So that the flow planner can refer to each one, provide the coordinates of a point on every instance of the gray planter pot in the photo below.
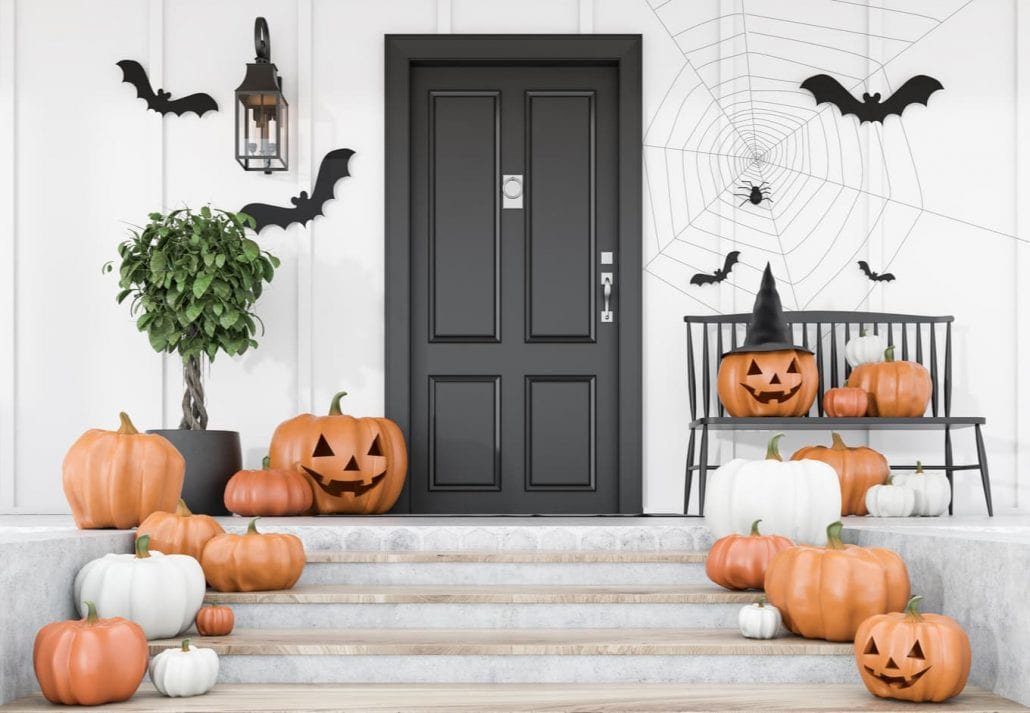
(212, 457)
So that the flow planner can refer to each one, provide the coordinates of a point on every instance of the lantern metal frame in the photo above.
(262, 112)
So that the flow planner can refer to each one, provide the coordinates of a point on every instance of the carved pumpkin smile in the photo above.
(897, 681)
(768, 397)
(336, 488)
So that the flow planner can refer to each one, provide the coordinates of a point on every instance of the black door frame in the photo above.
(622, 51)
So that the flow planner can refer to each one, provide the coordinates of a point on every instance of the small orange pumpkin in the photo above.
(775, 383)
(268, 492)
(858, 468)
(91, 661)
(253, 562)
(845, 402)
(355, 465)
(913, 656)
(215, 621)
(895, 388)
(740, 561)
(179, 533)
(118, 478)
(826, 593)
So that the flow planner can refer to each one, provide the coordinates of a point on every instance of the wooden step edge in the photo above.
(489, 594)
(505, 642)
(507, 556)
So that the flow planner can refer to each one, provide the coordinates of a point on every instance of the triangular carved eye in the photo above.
(916, 652)
(870, 648)
(753, 370)
(793, 368)
(322, 448)
(376, 449)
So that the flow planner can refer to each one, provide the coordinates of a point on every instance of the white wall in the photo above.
(87, 160)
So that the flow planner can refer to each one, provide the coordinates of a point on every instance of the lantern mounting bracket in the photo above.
(262, 41)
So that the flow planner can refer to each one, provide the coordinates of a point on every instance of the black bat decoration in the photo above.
(161, 101)
(702, 278)
(334, 166)
(874, 276)
(916, 90)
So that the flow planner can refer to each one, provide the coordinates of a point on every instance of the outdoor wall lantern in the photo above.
(262, 114)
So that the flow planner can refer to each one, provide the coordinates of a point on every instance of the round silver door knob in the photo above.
(512, 187)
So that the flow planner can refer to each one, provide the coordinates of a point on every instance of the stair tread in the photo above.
(506, 642)
(506, 556)
(489, 594)
(514, 698)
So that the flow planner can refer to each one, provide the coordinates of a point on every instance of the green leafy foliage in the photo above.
(193, 279)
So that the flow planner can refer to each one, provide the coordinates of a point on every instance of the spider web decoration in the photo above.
(735, 117)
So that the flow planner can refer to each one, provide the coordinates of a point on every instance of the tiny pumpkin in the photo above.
(269, 492)
(215, 621)
(912, 656)
(853, 583)
(253, 562)
(858, 469)
(184, 671)
(739, 561)
(895, 388)
(845, 402)
(118, 478)
(890, 500)
(91, 661)
(760, 620)
(932, 491)
(864, 349)
(179, 533)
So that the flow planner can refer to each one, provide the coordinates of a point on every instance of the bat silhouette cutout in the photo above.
(874, 276)
(916, 90)
(334, 166)
(161, 101)
(702, 278)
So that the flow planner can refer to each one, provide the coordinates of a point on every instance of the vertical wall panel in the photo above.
(8, 275)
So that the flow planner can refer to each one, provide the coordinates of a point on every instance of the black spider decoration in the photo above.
(755, 194)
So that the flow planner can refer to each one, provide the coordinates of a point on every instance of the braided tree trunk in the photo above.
(194, 413)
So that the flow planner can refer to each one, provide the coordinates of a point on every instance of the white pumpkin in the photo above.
(890, 500)
(932, 491)
(162, 593)
(759, 621)
(865, 349)
(796, 499)
(185, 671)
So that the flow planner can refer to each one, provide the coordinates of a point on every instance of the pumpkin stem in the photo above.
(91, 613)
(754, 528)
(864, 332)
(334, 405)
(919, 467)
(888, 353)
(266, 463)
(126, 429)
(912, 610)
(182, 510)
(142, 546)
(186, 645)
(833, 536)
(838, 442)
(762, 601)
(772, 451)
(252, 527)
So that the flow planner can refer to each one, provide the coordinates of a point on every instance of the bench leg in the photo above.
(949, 461)
(702, 471)
(689, 475)
(985, 477)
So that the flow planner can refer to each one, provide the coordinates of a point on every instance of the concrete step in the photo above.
(522, 656)
(486, 606)
(558, 567)
(518, 698)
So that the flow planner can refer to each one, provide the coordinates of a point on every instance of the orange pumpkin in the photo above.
(91, 661)
(857, 468)
(269, 492)
(355, 465)
(826, 593)
(215, 621)
(895, 388)
(118, 478)
(913, 656)
(774, 383)
(740, 561)
(845, 402)
(179, 533)
(253, 562)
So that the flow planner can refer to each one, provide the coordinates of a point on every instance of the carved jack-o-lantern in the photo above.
(772, 383)
(356, 465)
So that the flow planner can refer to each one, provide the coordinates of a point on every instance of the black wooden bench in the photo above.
(926, 340)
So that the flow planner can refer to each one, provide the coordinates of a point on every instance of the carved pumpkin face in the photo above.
(360, 466)
(891, 666)
(775, 383)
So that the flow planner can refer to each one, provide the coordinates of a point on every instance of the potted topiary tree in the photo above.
(193, 279)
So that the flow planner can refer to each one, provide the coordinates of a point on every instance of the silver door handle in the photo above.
(607, 280)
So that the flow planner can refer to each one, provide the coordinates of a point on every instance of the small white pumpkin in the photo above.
(890, 500)
(185, 671)
(865, 349)
(162, 593)
(796, 499)
(760, 620)
(932, 491)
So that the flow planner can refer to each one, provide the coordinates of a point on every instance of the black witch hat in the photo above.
(768, 331)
